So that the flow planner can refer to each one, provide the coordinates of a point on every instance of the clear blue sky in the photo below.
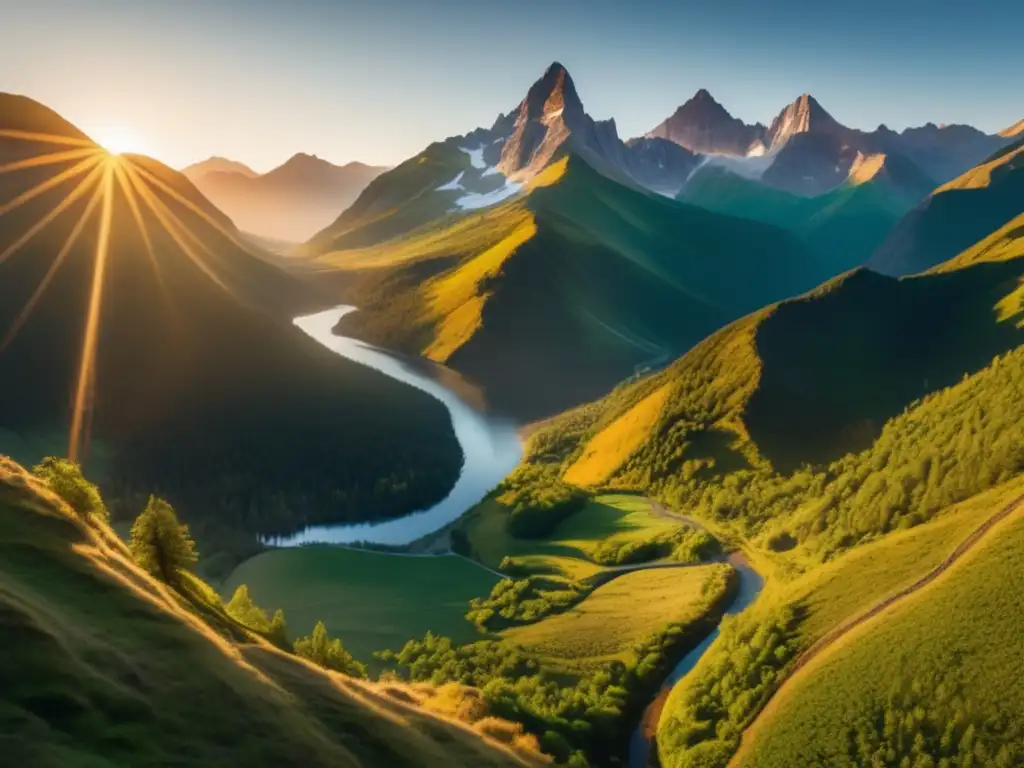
(378, 80)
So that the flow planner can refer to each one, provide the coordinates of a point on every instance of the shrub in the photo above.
(64, 477)
(328, 653)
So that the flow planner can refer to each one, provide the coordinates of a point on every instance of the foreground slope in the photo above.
(102, 665)
(550, 298)
(956, 215)
(170, 357)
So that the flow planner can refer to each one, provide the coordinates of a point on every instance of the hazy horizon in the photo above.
(377, 82)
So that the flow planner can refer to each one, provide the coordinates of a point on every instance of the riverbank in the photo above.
(491, 447)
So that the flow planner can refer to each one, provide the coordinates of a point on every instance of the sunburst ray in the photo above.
(82, 408)
(47, 138)
(76, 231)
(171, 224)
(133, 205)
(168, 189)
(50, 158)
(53, 213)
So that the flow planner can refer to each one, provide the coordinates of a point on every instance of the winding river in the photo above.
(491, 447)
(643, 737)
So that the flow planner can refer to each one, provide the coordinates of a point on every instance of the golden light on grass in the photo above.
(102, 173)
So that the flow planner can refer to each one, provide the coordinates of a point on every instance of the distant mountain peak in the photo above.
(701, 124)
(218, 164)
(554, 91)
(804, 115)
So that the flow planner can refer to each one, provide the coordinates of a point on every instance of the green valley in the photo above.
(700, 448)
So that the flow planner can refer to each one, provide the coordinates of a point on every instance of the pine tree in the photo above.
(64, 477)
(160, 544)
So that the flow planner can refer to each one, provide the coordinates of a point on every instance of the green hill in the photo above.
(845, 225)
(138, 328)
(811, 381)
(551, 297)
(933, 679)
(956, 215)
(104, 666)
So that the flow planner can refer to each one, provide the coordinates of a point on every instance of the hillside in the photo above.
(931, 677)
(291, 202)
(575, 281)
(1014, 130)
(844, 225)
(170, 358)
(105, 666)
(956, 215)
(805, 382)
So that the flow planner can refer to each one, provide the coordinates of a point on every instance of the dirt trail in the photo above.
(826, 641)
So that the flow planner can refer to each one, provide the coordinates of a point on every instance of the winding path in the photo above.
(826, 641)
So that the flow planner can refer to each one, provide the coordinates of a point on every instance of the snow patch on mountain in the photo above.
(475, 200)
(454, 184)
(476, 157)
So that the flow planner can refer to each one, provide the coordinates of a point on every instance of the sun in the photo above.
(121, 140)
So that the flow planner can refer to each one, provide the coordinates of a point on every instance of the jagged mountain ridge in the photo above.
(810, 152)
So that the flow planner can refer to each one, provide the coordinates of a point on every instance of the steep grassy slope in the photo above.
(104, 666)
(572, 284)
(937, 676)
(195, 382)
(751, 663)
(845, 225)
(956, 215)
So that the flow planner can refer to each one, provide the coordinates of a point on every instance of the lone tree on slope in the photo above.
(160, 544)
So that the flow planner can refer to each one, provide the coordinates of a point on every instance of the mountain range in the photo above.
(531, 250)
(549, 208)
(806, 151)
(289, 203)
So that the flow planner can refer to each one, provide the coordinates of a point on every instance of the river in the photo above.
(490, 446)
(750, 587)
(492, 449)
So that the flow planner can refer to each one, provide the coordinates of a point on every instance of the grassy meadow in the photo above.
(371, 600)
(569, 550)
(616, 616)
